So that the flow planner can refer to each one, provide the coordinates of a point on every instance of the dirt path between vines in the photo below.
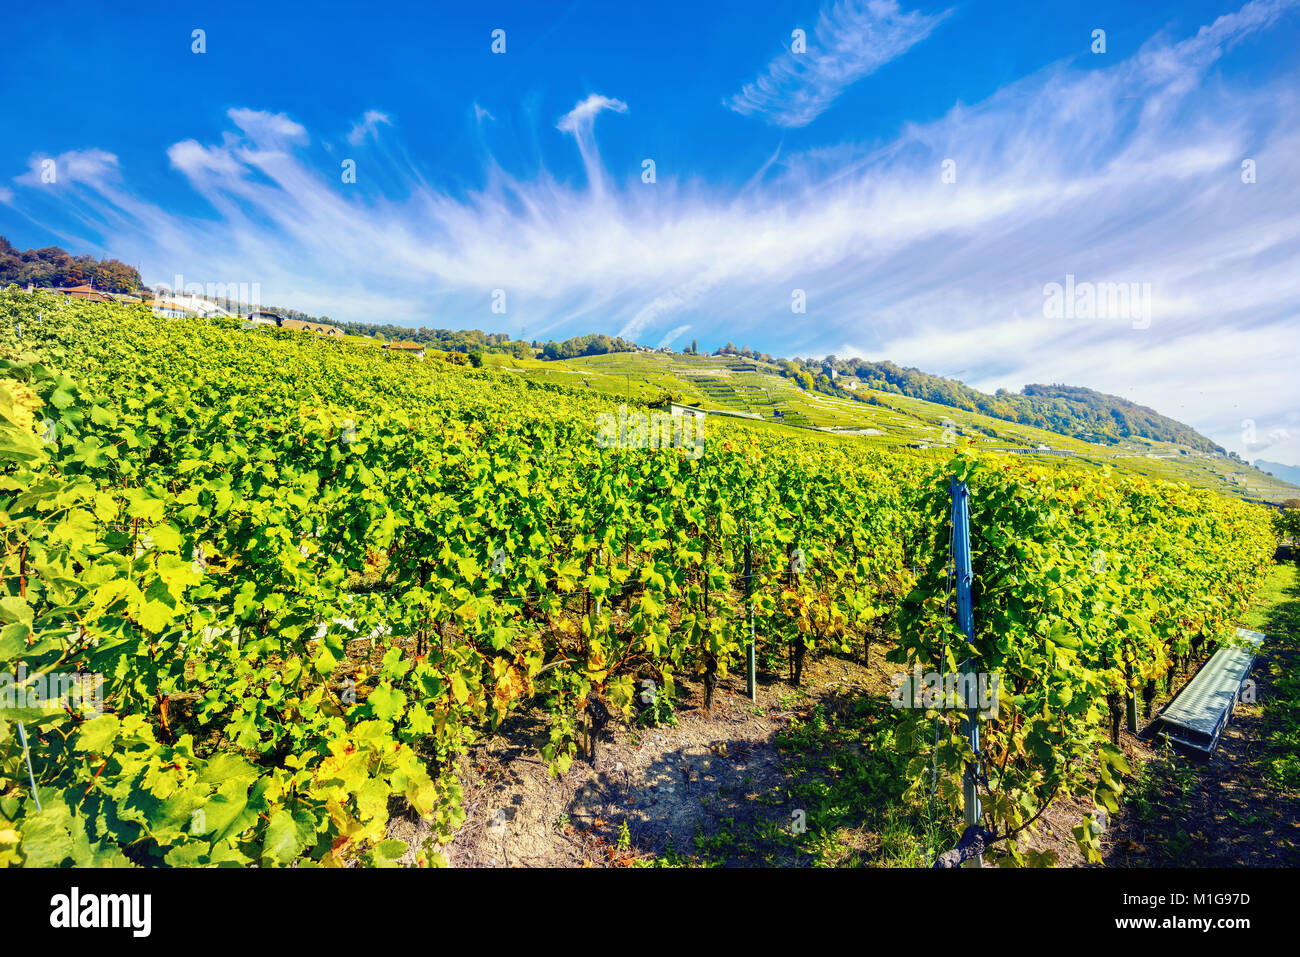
(651, 792)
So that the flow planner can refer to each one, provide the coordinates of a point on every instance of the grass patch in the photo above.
(1277, 615)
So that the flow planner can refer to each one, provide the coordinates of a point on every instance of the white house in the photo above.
(184, 304)
(171, 310)
(676, 408)
(415, 349)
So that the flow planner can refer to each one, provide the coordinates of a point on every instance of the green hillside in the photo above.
(886, 418)
(1068, 410)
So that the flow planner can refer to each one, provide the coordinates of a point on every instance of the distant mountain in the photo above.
(1287, 473)
(1070, 410)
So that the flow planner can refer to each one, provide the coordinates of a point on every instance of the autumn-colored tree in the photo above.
(54, 267)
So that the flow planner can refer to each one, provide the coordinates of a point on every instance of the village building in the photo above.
(87, 292)
(180, 305)
(409, 348)
(320, 328)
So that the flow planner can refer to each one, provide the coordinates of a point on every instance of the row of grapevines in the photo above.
(300, 498)
(1087, 587)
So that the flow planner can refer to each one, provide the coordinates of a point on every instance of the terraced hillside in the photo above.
(738, 384)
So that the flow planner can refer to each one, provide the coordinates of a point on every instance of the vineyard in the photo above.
(307, 575)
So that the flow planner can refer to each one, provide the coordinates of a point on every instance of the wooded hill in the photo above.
(54, 267)
(1071, 410)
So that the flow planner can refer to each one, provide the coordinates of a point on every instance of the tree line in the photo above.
(54, 267)
(472, 341)
(1068, 410)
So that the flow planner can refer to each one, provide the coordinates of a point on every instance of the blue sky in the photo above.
(820, 170)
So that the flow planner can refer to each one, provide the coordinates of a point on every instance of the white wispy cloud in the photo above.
(581, 116)
(268, 129)
(1128, 171)
(851, 41)
(368, 125)
(673, 335)
(91, 167)
(580, 122)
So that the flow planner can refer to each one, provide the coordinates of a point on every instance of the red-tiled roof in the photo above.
(86, 291)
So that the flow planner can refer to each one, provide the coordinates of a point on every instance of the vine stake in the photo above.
(22, 733)
(966, 622)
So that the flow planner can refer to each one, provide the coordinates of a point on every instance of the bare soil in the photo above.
(665, 785)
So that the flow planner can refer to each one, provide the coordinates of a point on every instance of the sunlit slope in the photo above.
(737, 384)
